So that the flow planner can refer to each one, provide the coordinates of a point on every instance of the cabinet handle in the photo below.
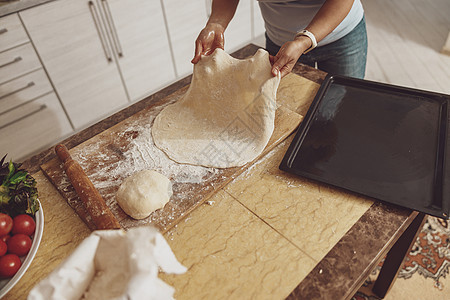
(30, 84)
(112, 27)
(15, 60)
(3, 30)
(100, 31)
(41, 108)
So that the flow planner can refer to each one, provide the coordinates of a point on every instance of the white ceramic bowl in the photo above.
(7, 284)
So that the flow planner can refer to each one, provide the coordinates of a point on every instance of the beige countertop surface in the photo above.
(265, 235)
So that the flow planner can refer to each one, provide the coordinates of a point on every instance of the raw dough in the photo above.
(226, 117)
(144, 192)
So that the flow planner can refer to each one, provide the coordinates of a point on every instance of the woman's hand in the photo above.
(210, 38)
(288, 55)
(329, 16)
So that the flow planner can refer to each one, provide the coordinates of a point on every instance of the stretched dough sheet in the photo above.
(226, 117)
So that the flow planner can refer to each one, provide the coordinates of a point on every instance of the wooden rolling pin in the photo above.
(95, 205)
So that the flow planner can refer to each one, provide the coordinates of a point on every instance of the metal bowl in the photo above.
(7, 284)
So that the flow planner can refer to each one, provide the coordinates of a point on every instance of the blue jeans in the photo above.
(346, 56)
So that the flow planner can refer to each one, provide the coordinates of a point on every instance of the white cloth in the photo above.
(114, 265)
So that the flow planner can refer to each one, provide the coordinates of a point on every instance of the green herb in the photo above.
(18, 192)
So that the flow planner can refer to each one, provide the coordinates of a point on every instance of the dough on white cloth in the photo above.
(226, 117)
(143, 192)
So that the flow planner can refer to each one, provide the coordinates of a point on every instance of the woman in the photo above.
(328, 34)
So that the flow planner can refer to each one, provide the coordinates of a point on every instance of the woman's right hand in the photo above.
(210, 38)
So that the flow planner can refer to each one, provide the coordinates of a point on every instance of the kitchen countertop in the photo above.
(9, 7)
(266, 234)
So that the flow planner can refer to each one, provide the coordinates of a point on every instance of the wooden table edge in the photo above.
(347, 265)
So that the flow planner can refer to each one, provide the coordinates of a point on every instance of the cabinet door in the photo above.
(71, 41)
(139, 37)
(184, 23)
(239, 31)
(258, 21)
(33, 126)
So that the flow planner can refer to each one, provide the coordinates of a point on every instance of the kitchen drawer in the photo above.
(18, 61)
(32, 127)
(12, 32)
(16, 92)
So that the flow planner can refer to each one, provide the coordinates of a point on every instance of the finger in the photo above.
(220, 40)
(278, 65)
(286, 69)
(198, 52)
(208, 49)
(272, 59)
(279, 60)
(208, 42)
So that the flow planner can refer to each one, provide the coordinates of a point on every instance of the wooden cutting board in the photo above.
(116, 153)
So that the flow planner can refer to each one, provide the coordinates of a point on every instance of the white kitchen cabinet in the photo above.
(12, 33)
(23, 89)
(184, 24)
(239, 31)
(74, 49)
(32, 126)
(146, 63)
(101, 54)
(31, 116)
(18, 61)
(258, 21)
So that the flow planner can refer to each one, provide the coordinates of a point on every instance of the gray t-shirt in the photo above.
(283, 19)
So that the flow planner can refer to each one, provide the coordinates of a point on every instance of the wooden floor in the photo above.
(405, 40)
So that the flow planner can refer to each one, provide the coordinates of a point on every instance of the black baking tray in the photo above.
(387, 142)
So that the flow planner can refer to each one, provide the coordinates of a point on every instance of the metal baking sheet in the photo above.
(387, 142)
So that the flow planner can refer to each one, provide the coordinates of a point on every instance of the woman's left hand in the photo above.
(288, 55)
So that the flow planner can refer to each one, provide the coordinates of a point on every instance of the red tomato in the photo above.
(23, 224)
(6, 224)
(5, 237)
(19, 244)
(3, 248)
(9, 265)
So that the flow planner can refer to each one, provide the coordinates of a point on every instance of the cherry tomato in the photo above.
(3, 248)
(5, 237)
(6, 224)
(23, 224)
(9, 265)
(19, 244)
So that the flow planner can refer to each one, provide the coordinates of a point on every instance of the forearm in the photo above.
(222, 11)
(329, 16)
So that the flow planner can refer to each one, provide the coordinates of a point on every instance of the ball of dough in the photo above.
(144, 192)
